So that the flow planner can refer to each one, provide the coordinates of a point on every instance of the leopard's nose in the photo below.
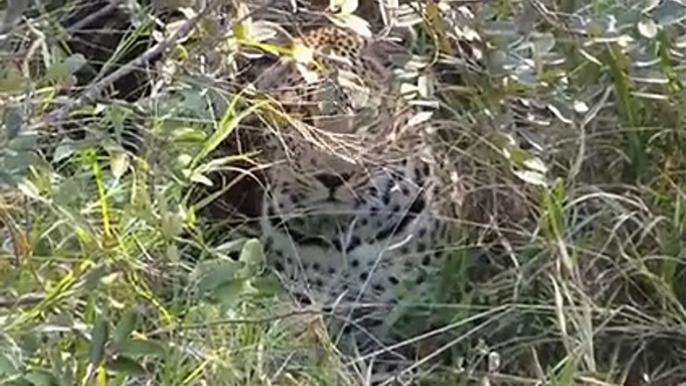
(330, 181)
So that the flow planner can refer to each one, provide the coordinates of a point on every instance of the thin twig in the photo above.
(95, 90)
(24, 300)
(86, 21)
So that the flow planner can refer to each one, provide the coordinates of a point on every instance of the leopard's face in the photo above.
(359, 233)
(349, 176)
(320, 195)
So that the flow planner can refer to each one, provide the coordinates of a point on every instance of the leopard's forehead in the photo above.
(328, 66)
(342, 42)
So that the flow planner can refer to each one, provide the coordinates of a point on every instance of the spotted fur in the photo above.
(353, 213)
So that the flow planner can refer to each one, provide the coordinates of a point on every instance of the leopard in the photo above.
(358, 200)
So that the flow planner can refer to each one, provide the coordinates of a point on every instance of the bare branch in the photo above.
(86, 21)
(94, 91)
(24, 300)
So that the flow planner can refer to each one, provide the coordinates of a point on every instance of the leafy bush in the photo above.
(126, 142)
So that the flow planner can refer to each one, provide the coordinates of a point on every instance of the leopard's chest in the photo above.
(355, 264)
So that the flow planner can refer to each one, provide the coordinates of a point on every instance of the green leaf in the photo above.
(119, 162)
(231, 246)
(14, 121)
(201, 179)
(188, 134)
(126, 325)
(268, 285)
(29, 189)
(553, 208)
(179, 52)
(117, 116)
(252, 253)
(125, 365)
(9, 365)
(11, 80)
(531, 177)
(110, 279)
(136, 347)
(41, 378)
(173, 253)
(566, 375)
(183, 160)
(17, 164)
(230, 293)
(215, 273)
(172, 223)
(98, 340)
(74, 63)
(11, 357)
(25, 140)
(64, 150)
